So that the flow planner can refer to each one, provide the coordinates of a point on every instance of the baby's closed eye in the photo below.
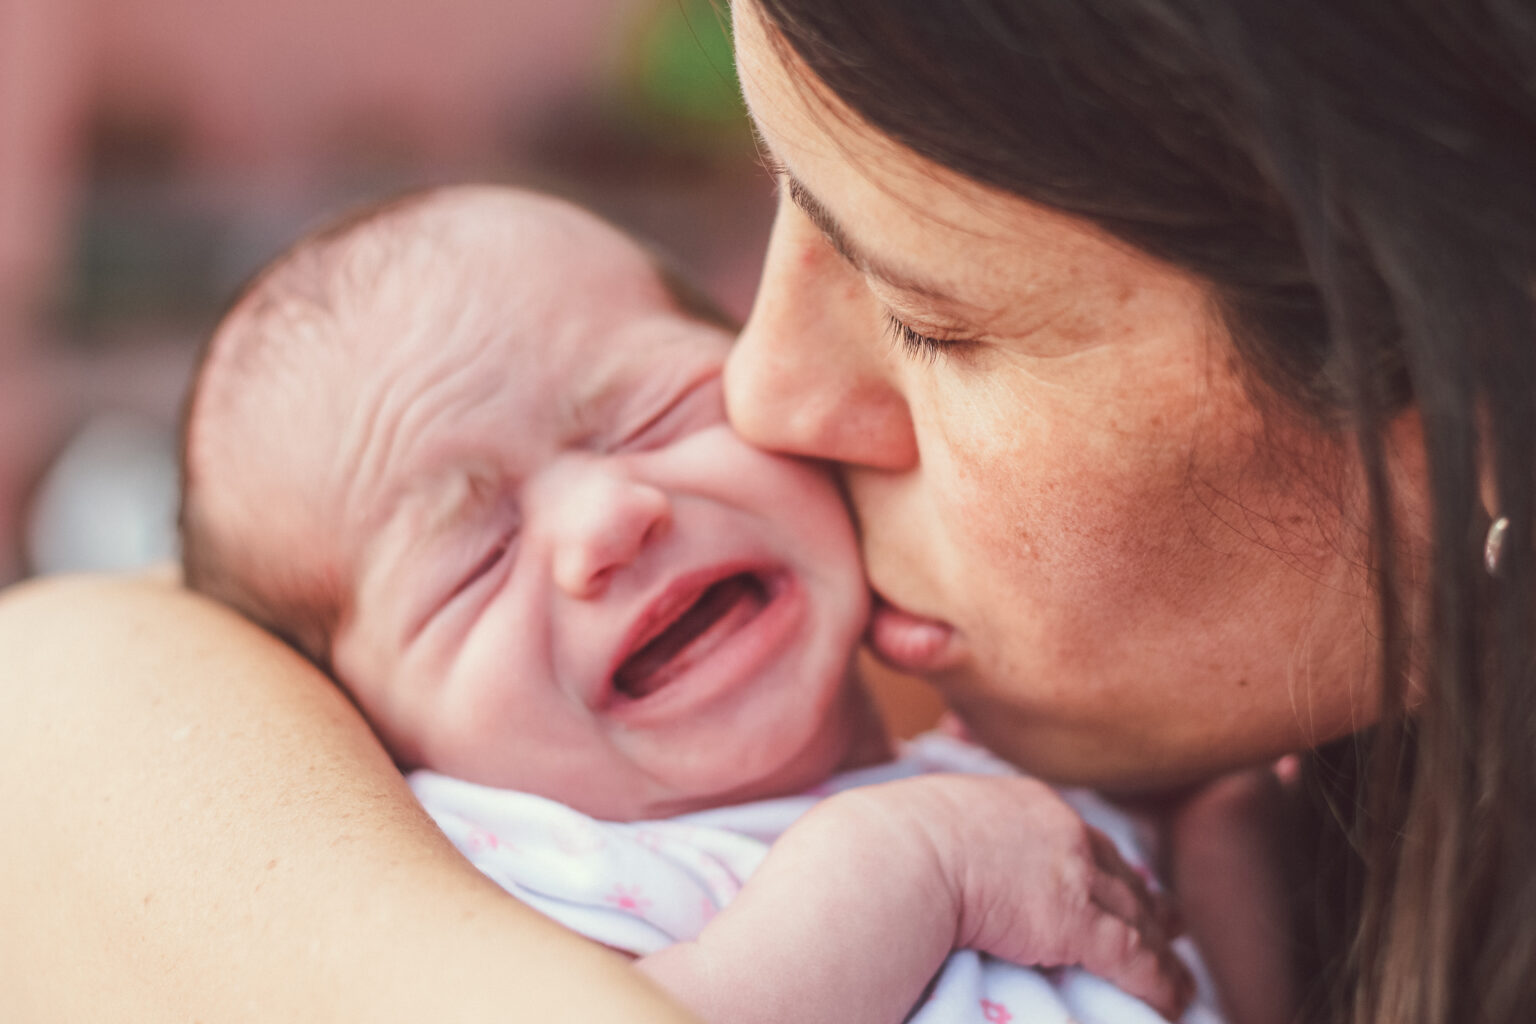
(697, 406)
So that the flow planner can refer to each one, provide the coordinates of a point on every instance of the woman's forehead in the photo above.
(974, 251)
(790, 107)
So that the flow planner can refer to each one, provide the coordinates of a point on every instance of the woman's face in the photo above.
(1082, 528)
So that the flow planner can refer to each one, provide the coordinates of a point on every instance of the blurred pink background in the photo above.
(155, 152)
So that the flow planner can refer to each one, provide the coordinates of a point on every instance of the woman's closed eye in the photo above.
(919, 345)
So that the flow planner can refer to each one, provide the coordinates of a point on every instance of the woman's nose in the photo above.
(601, 524)
(811, 373)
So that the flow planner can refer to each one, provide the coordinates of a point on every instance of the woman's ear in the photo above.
(1488, 494)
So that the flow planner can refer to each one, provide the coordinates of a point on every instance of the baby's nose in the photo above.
(604, 524)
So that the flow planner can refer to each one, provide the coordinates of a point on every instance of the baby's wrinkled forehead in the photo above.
(416, 283)
(478, 266)
(431, 281)
(469, 306)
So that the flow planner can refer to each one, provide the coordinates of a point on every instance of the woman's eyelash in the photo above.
(915, 343)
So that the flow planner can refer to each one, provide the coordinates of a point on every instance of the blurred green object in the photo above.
(681, 78)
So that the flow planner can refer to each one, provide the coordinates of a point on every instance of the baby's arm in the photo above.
(857, 906)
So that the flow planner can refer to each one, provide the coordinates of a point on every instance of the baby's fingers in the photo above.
(1141, 964)
(1122, 891)
(1132, 932)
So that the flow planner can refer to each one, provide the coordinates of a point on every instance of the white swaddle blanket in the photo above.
(640, 886)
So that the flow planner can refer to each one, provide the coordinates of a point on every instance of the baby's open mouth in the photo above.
(692, 635)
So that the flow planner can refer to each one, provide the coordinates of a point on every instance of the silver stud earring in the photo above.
(1493, 547)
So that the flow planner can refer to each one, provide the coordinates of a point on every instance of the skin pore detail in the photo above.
(1083, 527)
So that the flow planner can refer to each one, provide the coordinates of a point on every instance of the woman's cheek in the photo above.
(1056, 488)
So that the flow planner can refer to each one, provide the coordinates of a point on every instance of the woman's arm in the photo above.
(200, 827)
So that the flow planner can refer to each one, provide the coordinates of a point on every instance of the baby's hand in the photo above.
(1028, 880)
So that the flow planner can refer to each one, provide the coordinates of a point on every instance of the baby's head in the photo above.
(470, 453)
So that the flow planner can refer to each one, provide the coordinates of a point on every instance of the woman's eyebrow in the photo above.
(817, 213)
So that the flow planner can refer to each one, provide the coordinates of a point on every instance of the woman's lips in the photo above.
(907, 642)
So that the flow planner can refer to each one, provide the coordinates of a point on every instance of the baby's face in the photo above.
(567, 573)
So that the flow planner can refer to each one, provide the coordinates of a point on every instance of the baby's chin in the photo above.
(853, 736)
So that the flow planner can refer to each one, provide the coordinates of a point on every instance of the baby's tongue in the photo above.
(718, 613)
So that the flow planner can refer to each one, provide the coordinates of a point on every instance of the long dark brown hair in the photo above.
(1356, 181)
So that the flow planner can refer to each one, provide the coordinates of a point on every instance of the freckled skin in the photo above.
(1144, 588)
